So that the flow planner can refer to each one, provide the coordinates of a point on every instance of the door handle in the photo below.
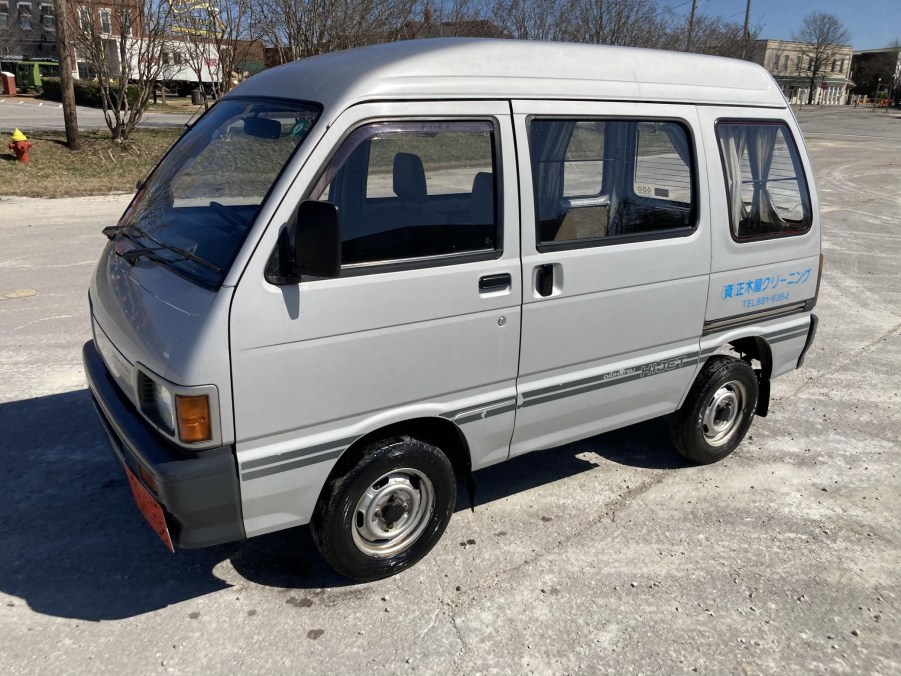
(544, 280)
(495, 282)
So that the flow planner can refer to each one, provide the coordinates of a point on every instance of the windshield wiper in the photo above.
(133, 254)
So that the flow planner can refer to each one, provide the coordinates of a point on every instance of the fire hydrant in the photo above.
(20, 146)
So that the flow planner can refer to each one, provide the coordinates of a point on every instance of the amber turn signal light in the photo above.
(193, 414)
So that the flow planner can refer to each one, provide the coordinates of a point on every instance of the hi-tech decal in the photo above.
(545, 394)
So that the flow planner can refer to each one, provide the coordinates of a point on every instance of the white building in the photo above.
(792, 63)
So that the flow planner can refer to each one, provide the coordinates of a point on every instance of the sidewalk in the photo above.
(29, 100)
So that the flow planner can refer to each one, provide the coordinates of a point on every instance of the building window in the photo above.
(600, 182)
(84, 20)
(4, 15)
(25, 17)
(775, 62)
(834, 63)
(809, 65)
(798, 63)
(48, 21)
(765, 181)
(785, 62)
(106, 26)
(841, 66)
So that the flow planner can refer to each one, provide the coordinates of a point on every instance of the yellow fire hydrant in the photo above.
(20, 146)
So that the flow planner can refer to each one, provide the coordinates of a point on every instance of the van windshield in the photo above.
(194, 211)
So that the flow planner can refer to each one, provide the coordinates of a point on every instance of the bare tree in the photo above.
(122, 43)
(450, 18)
(720, 37)
(533, 19)
(218, 39)
(302, 28)
(633, 23)
(823, 36)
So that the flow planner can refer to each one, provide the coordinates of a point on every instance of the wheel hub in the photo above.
(393, 513)
(722, 415)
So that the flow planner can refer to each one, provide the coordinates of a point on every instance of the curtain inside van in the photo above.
(765, 179)
(732, 148)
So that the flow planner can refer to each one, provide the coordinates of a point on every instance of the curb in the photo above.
(49, 104)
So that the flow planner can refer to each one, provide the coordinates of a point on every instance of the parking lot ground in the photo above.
(611, 555)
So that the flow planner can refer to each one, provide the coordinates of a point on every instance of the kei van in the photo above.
(361, 277)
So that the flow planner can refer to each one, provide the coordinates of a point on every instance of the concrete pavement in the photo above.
(611, 555)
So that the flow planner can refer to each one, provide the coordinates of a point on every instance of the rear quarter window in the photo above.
(765, 183)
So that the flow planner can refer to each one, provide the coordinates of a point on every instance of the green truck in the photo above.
(29, 74)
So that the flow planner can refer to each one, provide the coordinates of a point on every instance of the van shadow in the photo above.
(645, 445)
(75, 545)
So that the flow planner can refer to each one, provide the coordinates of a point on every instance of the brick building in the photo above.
(27, 30)
(877, 73)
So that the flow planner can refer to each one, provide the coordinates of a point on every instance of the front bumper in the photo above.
(199, 493)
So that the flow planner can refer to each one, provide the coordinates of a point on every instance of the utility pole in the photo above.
(64, 47)
(746, 35)
(691, 24)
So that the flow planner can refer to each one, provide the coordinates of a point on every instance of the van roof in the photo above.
(515, 69)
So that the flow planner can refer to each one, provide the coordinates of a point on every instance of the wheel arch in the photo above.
(439, 432)
(749, 349)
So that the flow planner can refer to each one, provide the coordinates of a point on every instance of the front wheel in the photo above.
(717, 412)
(388, 511)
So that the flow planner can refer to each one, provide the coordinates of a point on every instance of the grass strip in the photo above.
(101, 167)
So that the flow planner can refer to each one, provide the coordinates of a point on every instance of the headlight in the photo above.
(156, 402)
(178, 411)
(162, 401)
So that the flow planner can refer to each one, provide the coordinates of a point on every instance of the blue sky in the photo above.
(871, 23)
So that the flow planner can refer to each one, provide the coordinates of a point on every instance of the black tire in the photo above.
(717, 412)
(401, 487)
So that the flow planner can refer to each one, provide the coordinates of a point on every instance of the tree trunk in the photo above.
(70, 115)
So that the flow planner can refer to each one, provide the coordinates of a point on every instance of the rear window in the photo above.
(765, 182)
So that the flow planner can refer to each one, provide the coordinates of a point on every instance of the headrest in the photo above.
(409, 178)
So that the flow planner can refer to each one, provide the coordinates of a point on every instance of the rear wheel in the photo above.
(386, 512)
(717, 412)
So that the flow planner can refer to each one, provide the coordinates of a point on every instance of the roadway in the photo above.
(33, 115)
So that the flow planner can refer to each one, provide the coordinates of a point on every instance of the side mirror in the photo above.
(317, 239)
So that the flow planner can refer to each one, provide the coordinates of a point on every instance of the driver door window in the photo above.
(414, 190)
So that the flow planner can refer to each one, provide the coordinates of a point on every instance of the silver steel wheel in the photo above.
(393, 512)
(723, 414)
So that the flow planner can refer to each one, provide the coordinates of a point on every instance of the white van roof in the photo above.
(516, 69)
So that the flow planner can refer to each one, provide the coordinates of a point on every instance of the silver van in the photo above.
(361, 277)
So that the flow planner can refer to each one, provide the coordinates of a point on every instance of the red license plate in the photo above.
(151, 509)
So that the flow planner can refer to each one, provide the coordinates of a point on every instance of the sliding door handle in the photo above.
(490, 283)
(544, 280)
